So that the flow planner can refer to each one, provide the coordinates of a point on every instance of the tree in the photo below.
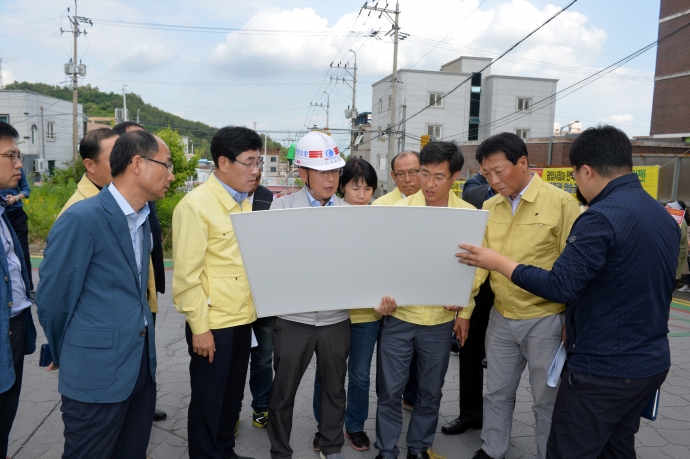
(183, 168)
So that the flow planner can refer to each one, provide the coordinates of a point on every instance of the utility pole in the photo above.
(404, 122)
(327, 109)
(2, 86)
(124, 102)
(138, 115)
(350, 113)
(71, 68)
(394, 31)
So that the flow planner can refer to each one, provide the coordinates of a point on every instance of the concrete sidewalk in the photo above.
(38, 428)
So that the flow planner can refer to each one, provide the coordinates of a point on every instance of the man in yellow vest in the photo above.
(210, 288)
(425, 330)
(405, 172)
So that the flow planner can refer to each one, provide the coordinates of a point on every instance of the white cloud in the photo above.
(142, 57)
(7, 77)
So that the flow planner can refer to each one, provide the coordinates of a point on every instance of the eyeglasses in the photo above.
(255, 164)
(14, 157)
(411, 173)
(437, 179)
(330, 173)
(168, 166)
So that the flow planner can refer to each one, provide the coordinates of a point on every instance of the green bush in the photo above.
(44, 205)
(164, 210)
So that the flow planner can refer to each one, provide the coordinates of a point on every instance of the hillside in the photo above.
(98, 103)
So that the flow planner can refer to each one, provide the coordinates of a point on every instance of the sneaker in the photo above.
(358, 440)
(315, 443)
(331, 456)
(260, 419)
(407, 406)
(684, 289)
(237, 428)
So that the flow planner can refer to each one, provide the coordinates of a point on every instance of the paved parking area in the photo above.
(37, 432)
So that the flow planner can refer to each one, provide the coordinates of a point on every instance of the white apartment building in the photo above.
(476, 110)
(45, 128)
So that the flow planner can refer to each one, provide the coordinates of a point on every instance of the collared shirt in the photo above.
(616, 274)
(19, 298)
(236, 195)
(315, 203)
(428, 314)
(389, 199)
(251, 198)
(135, 221)
(515, 202)
(536, 234)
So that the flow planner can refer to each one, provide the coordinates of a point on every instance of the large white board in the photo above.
(349, 257)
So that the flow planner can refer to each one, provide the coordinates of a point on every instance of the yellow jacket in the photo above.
(209, 282)
(388, 199)
(86, 189)
(536, 235)
(428, 315)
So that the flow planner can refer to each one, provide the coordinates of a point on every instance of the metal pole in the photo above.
(676, 179)
(43, 137)
(548, 158)
(391, 131)
(404, 122)
(138, 115)
(75, 33)
(328, 108)
(124, 103)
(354, 105)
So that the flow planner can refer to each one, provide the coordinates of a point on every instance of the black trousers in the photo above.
(217, 392)
(9, 400)
(112, 430)
(597, 417)
(294, 346)
(18, 219)
(471, 355)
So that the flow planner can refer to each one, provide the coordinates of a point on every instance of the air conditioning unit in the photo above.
(39, 165)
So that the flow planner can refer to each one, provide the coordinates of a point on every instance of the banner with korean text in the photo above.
(562, 178)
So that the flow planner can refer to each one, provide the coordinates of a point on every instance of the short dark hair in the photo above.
(121, 128)
(440, 151)
(129, 145)
(357, 169)
(401, 155)
(510, 144)
(90, 145)
(232, 141)
(7, 131)
(604, 148)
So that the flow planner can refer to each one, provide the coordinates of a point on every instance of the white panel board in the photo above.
(317, 259)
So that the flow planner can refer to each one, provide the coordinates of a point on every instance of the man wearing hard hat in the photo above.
(297, 336)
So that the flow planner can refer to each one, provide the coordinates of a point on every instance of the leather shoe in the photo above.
(159, 415)
(422, 455)
(460, 425)
(481, 454)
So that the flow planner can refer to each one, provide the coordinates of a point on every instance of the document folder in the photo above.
(652, 409)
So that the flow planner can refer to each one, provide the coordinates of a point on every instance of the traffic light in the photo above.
(424, 140)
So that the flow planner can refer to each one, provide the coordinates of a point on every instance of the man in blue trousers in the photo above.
(92, 305)
(17, 331)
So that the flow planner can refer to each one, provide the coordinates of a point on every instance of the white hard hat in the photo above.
(319, 152)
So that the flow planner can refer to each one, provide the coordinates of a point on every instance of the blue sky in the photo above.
(229, 78)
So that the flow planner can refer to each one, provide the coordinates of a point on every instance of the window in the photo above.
(522, 133)
(5, 118)
(51, 165)
(389, 102)
(33, 134)
(380, 105)
(435, 99)
(50, 131)
(273, 169)
(274, 159)
(473, 132)
(434, 131)
(524, 104)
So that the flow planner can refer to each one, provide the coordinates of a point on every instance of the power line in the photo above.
(491, 63)
(547, 101)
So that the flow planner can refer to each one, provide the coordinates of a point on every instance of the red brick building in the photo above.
(671, 107)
